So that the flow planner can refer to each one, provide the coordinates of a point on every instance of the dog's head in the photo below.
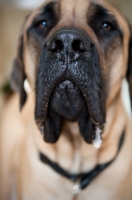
(74, 53)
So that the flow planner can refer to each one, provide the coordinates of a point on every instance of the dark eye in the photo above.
(107, 26)
(42, 24)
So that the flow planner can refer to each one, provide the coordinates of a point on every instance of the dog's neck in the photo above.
(74, 150)
(75, 155)
(83, 156)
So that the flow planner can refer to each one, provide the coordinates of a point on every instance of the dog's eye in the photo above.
(42, 24)
(107, 26)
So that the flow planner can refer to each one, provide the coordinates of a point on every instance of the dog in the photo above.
(72, 136)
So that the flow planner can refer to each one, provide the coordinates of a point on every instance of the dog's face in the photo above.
(74, 53)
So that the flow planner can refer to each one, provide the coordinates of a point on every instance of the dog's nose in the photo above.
(67, 42)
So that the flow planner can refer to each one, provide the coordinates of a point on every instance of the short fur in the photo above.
(75, 55)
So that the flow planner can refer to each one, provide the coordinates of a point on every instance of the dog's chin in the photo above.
(67, 100)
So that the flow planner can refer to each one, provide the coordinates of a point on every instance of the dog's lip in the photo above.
(39, 121)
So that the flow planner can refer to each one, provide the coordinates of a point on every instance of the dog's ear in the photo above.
(18, 75)
(129, 70)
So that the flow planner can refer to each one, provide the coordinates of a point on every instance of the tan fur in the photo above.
(22, 175)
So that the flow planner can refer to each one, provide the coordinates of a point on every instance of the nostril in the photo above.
(78, 46)
(56, 46)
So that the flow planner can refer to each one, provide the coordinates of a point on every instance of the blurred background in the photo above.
(12, 14)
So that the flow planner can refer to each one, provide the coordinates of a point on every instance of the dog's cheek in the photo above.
(32, 57)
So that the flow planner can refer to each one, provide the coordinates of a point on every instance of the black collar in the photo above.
(86, 177)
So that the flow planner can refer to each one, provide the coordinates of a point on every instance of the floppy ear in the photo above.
(18, 75)
(129, 70)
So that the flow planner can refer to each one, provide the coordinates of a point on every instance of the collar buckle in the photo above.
(76, 189)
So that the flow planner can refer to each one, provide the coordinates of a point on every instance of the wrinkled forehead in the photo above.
(74, 12)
